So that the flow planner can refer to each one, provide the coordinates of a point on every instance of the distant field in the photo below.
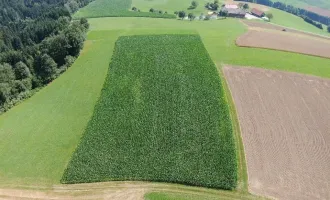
(161, 117)
(303, 3)
(171, 5)
(220, 43)
(115, 8)
(286, 19)
(285, 41)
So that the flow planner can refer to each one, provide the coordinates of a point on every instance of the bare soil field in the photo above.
(317, 10)
(284, 119)
(285, 42)
(262, 25)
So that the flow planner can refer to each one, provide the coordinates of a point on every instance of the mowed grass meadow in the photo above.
(39, 135)
(161, 116)
(115, 8)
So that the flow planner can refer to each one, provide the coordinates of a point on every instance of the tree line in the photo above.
(38, 42)
(305, 14)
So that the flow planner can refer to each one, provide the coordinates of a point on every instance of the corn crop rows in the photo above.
(161, 117)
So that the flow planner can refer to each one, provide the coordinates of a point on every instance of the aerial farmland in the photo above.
(163, 100)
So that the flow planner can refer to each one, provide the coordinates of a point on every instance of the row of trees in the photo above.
(157, 11)
(38, 41)
(293, 10)
(328, 29)
(308, 20)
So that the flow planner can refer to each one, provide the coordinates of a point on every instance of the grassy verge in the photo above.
(242, 167)
(115, 8)
(161, 117)
(39, 135)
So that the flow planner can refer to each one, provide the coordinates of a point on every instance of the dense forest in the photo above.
(305, 14)
(38, 42)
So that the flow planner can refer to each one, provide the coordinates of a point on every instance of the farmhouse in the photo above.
(257, 13)
(239, 13)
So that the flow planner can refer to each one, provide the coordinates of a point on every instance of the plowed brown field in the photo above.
(285, 41)
(262, 25)
(284, 119)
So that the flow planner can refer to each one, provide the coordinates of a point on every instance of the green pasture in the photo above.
(286, 19)
(171, 5)
(39, 135)
(115, 8)
(185, 194)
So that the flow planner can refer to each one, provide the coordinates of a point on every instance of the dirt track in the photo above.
(285, 41)
(284, 118)
(116, 191)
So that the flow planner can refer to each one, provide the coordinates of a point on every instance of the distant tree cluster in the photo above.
(328, 29)
(308, 20)
(135, 9)
(213, 6)
(74, 5)
(193, 5)
(157, 11)
(305, 14)
(38, 41)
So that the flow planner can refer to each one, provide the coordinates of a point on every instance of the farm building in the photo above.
(238, 13)
(257, 13)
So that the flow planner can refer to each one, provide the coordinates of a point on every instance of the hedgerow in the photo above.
(161, 116)
(115, 8)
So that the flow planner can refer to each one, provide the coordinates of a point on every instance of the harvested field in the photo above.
(255, 25)
(318, 10)
(285, 42)
(284, 118)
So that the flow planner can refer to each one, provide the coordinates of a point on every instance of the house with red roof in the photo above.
(257, 13)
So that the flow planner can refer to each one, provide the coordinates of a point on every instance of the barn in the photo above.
(238, 13)
(257, 13)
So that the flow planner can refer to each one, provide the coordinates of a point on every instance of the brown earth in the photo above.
(285, 41)
(120, 190)
(284, 119)
(262, 25)
(318, 10)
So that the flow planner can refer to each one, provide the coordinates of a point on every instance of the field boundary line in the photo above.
(286, 51)
(242, 168)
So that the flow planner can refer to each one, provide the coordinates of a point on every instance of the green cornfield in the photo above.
(161, 117)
